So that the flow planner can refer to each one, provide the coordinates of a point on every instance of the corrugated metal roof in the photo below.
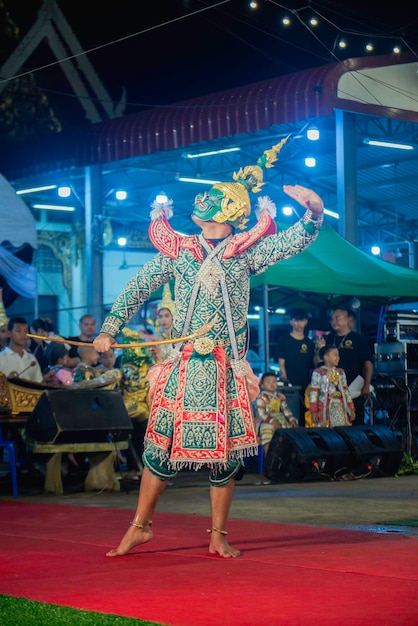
(241, 110)
(283, 100)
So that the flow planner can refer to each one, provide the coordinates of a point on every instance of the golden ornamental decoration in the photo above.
(334, 376)
(204, 345)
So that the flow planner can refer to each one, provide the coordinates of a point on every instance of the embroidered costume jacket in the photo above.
(201, 408)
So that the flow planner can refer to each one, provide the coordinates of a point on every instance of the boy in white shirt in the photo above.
(15, 360)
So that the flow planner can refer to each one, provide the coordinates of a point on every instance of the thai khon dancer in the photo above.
(201, 393)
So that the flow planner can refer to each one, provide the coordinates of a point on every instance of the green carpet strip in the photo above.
(21, 612)
(402, 522)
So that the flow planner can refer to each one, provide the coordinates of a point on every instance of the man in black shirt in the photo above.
(87, 325)
(356, 357)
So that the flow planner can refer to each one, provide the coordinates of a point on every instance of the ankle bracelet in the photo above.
(216, 530)
(148, 522)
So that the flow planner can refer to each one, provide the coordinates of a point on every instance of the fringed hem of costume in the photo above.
(159, 462)
(201, 411)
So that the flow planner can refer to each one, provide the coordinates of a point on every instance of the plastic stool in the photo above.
(12, 460)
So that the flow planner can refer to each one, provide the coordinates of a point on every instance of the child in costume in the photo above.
(272, 410)
(330, 401)
(202, 393)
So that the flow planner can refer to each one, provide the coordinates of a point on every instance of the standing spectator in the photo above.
(87, 325)
(296, 356)
(356, 357)
(272, 411)
(330, 402)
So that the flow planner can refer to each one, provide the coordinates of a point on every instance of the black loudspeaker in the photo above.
(305, 454)
(79, 416)
(372, 448)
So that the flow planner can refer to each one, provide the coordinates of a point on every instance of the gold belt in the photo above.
(205, 345)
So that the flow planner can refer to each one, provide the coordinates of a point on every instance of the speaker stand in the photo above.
(101, 474)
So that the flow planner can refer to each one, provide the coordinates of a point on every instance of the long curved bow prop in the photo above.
(143, 344)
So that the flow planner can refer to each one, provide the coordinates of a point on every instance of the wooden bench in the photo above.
(101, 475)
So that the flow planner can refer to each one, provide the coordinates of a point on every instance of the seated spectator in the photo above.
(272, 410)
(15, 360)
(107, 360)
(43, 328)
(87, 368)
(57, 356)
(330, 401)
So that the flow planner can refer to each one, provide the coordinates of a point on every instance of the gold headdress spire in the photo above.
(230, 202)
(4, 320)
(167, 301)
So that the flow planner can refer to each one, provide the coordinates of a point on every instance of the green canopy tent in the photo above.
(332, 269)
(327, 274)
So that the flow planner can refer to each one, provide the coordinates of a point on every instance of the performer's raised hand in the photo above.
(306, 197)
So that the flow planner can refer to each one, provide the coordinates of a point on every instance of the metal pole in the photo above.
(266, 327)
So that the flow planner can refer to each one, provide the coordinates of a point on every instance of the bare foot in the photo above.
(219, 545)
(133, 537)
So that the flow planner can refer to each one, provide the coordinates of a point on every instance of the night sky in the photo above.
(173, 50)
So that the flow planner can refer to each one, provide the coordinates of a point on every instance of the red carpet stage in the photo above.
(287, 576)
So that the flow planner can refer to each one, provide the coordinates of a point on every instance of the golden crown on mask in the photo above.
(236, 204)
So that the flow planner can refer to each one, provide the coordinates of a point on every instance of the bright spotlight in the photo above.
(310, 162)
(64, 191)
